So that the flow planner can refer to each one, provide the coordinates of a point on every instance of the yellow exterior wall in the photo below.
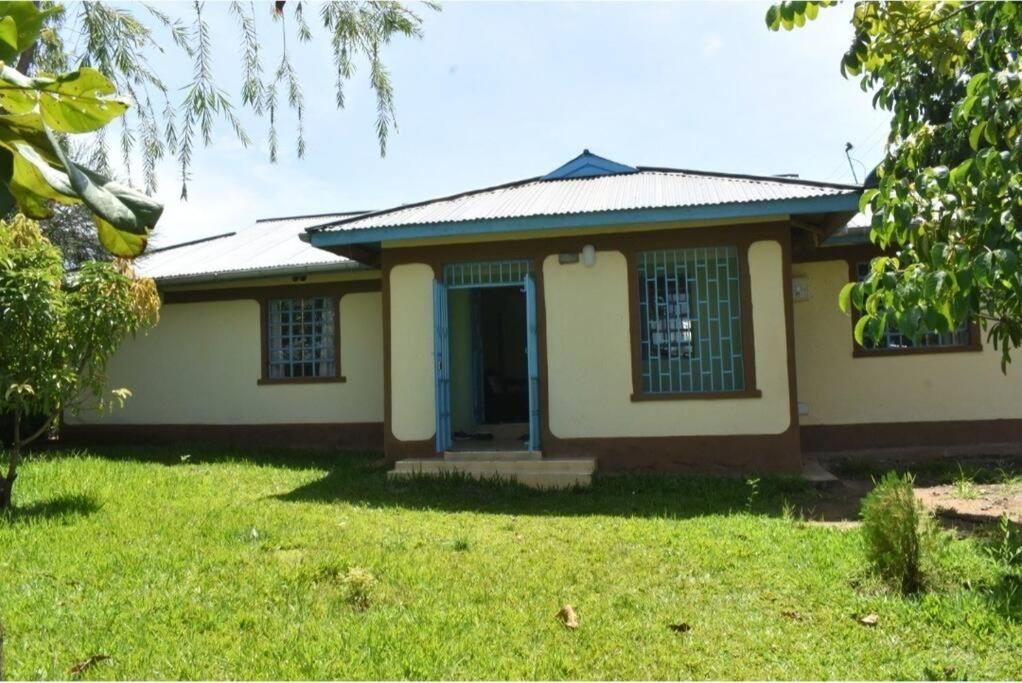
(200, 365)
(589, 357)
(412, 402)
(839, 389)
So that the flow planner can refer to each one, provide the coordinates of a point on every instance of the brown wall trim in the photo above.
(338, 288)
(342, 436)
(767, 452)
(745, 453)
(880, 435)
(263, 295)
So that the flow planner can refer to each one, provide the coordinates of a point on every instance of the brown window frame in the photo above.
(264, 340)
(859, 351)
(745, 302)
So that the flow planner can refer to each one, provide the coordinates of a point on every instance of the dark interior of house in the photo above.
(505, 367)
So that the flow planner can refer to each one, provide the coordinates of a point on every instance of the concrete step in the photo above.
(542, 473)
(466, 456)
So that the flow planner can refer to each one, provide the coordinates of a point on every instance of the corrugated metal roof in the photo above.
(268, 245)
(646, 188)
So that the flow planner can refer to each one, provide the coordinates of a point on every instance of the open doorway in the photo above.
(489, 368)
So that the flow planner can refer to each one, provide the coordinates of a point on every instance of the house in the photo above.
(649, 318)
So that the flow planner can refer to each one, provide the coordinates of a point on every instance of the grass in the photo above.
(298, 565)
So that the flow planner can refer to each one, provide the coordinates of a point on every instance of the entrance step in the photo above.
(537, 473)
(476, 455)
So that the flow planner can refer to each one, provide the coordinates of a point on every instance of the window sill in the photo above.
(300, 380)
(693, 396)
(859, 352)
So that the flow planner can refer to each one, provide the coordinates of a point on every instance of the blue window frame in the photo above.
(690, 321)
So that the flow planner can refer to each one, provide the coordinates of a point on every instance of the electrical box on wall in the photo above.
(800, 288)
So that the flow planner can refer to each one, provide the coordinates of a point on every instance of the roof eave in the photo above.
(257, 273)
(809, 205)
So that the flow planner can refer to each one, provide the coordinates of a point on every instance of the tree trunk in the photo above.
(7, 483)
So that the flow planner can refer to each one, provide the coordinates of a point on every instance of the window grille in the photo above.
(690, 321)
(302, 338)
(486, 273)
(895, 340)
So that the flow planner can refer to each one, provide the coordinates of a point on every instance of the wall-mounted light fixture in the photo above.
(588, 256)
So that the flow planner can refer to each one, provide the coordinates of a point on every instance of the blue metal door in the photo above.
(442, 367)
(532, 351)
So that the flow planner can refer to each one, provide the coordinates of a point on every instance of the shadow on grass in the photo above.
(61, 507)
(360, 479)
(362, 482)
(205, 453)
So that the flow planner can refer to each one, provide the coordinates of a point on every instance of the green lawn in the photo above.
(227, 566)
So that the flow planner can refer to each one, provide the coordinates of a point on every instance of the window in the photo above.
(895, 341)
(302, 338)
(690, 321)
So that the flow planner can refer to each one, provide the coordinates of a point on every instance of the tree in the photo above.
(58, 331)
(70, 71)
(947, 198)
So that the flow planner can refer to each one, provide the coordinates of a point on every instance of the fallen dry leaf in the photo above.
(85, 664)
(870, 619)
(680, 628)
(568, 616)
(792, 614)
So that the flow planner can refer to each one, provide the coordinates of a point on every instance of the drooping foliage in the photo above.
(946, 200)
(37, 111)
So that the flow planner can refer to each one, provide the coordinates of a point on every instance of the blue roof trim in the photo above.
(830, 204)
(586, 165)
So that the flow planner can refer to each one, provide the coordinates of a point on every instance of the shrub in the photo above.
(896, 527)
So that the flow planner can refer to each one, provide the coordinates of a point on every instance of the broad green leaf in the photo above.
(120, 242)
(80, 102)
(975, 82)
(975, 134)
(8, 35)
(844, 299)
(961, 172)
(866, 198)
(125, 209)
(812, 10)
(860, 328)
(773, 18)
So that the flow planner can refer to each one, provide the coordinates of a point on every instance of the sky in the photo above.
(497, 91)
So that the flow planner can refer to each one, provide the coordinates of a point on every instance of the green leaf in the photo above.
(80, 102)
(975, 82)
(975, 134)
(860, 328)
(960, 173)
(8, 34)
(125, 209)
(120, 242)
(812, 10)
(866, 198)
(773, 18)
(844, 299)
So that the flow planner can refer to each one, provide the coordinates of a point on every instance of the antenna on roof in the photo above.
(848, 153)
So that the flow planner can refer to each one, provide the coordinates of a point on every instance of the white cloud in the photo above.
(712, 44)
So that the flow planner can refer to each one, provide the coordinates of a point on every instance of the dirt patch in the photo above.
(974, 502)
